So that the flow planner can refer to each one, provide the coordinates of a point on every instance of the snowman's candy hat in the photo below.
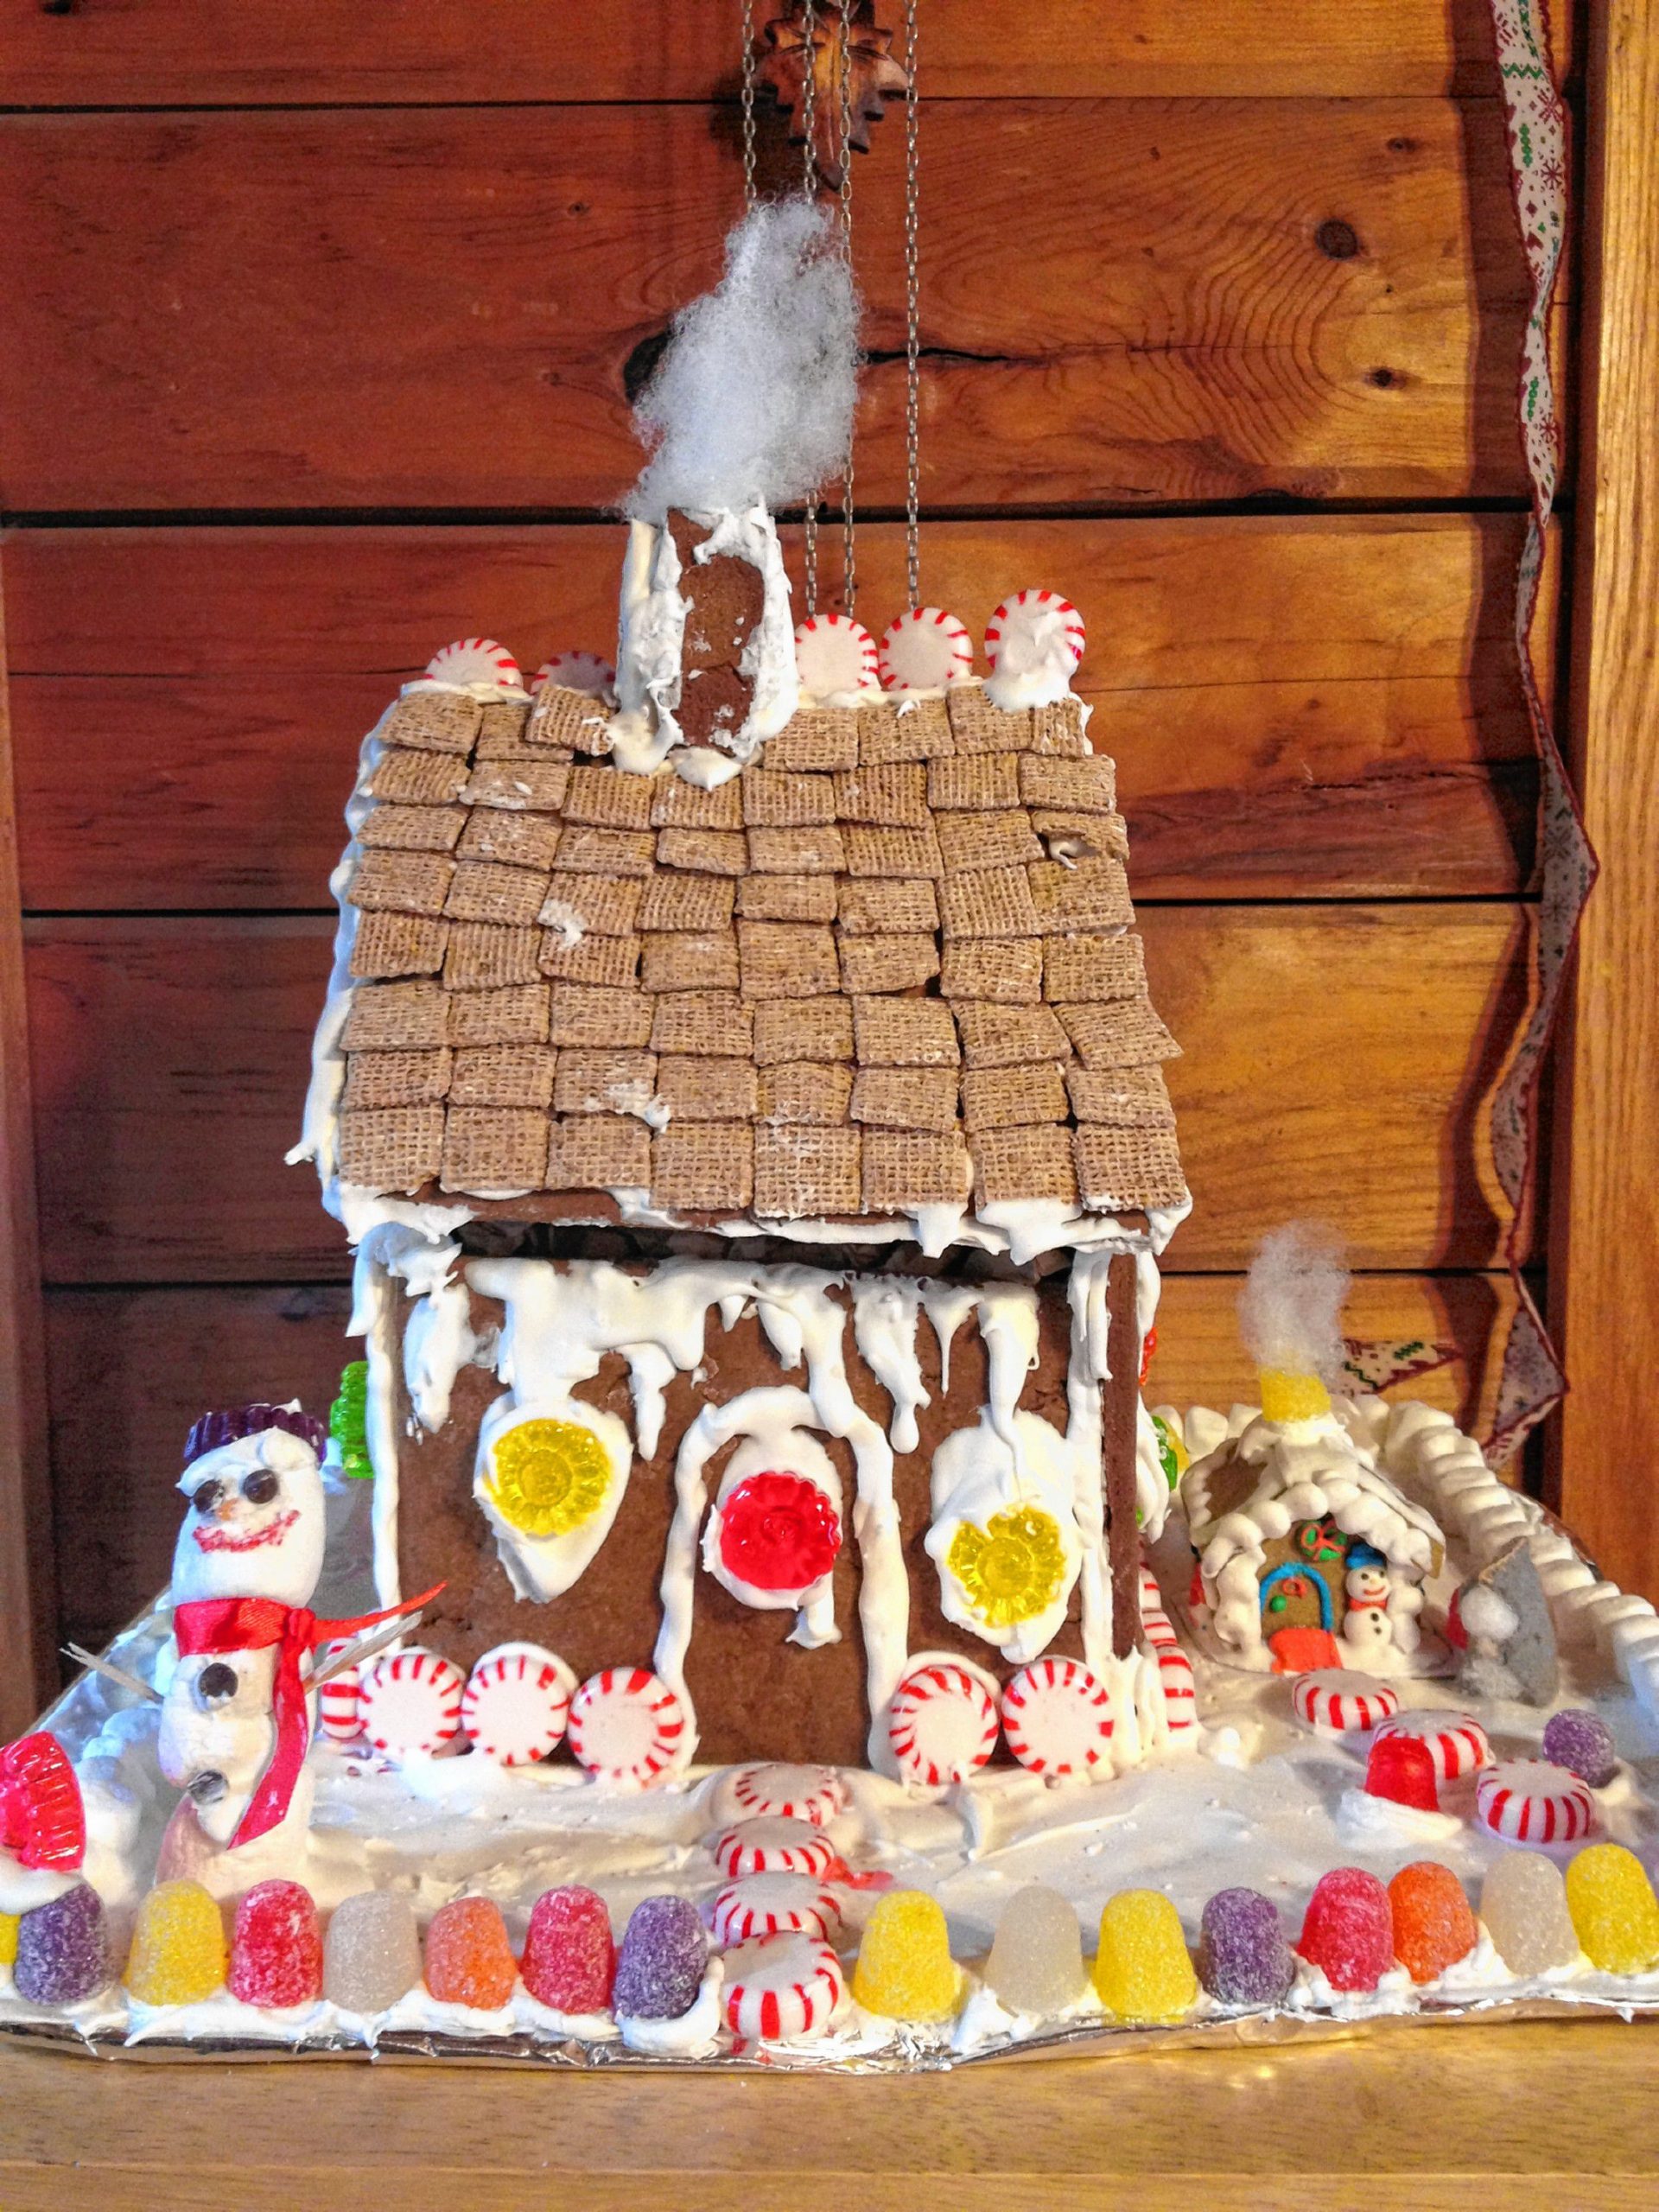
(42, 1820)
(214, 1430)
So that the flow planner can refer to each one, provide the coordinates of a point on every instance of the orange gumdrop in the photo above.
(468, 1959)
(1433, 1925)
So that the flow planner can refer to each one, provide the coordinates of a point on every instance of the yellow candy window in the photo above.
(548, 1476)
(1012, 1569)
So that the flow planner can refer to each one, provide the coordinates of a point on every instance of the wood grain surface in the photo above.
(1346, 721)
(1125, 300)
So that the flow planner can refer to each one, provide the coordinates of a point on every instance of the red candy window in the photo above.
(777, 1532)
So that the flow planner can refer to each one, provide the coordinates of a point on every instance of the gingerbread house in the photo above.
(746, 1105)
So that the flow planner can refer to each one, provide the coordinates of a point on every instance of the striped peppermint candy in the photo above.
(1180, 1691)
(925, 649)
(1154, 1621)
(941, 1724)
(1457, 1742)
(772, 1904)
(627, 1724)
(476, 660)
(1529, 1801)
(410, 1702)
(338, 1707)
(1057, 1718)
(833, 653)
(774, 1847)
(782, 1988)
(1333, 1702)
(515, 1703)
(790, 1793)
(1034, 626)
(584, 672)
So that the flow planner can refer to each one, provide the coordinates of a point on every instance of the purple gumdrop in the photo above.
(1244, 1956)
(62, 1950)
(659, 1968)
(1582, 1742)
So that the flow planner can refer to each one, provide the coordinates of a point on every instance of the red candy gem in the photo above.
(1147, 1351)
(42, 1820)
(778, 1532)
(1401, 1768)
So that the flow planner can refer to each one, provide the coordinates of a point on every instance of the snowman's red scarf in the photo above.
(208, 1627)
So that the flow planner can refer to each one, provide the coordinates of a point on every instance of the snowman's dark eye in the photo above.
(260, 1487)
(205, 1496)
(215, 1683)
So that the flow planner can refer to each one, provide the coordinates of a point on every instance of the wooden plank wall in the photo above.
(320, 330)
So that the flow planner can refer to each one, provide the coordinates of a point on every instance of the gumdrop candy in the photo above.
(1401, 1768)
(179, 1955)
(905, 1969)
(277, 1946)
(660, 1965)
(1142, 1969)
(1348, 1932)
(1036, 1962)
(1583, 1743)
(1433, 1926)
(570, 1960)
(62, 1949)
(1244, 1956)
(1614, 1909)
(372, 1958)
(1523, 1904)
(468, 1959)
(7, 1938)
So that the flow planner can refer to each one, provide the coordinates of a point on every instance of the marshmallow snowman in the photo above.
(1366, 1624)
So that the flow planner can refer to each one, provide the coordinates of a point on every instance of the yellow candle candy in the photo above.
(1614, 1909)
(905, 1970)
(179, 1954)
(1143, 1970)
(7, 1938)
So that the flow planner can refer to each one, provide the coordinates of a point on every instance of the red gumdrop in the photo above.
(1401, 1768)
(778, 1531)
(1349, 1930)
(569, 1960)
(1433, 1926)
(468, 1958)
(276, 1949)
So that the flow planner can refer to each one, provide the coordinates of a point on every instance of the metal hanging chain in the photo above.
(912, 315)
(747, 17)
(809, 188)
(844, 58)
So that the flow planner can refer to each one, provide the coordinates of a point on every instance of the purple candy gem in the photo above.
(1244, 1957)
(659, 1968)
(1583, 1743)
(62, 1952)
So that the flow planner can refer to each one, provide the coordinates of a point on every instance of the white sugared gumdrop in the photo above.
(584, 672)
(627, 1724)
(834, 655)
(772, 1904)
(339, 1713)
(1457, 1742)
(925, 651)
(410, 1702)
(782, 1987)
(1332, 1701)
(476, 660)
(1057, 1718)
(791, 1793)
(773, 1847)
(1033, 642)
(1180, 1691)
(941, 1726)
(515, 1703)
(1529, 1801)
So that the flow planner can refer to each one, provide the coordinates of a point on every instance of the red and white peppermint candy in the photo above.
(338, 1708)
(782, 1988)
(410, 1702)
(584, 672)
(1180, 1691)
(774, 1847)
(833, 654)
(1154, 1621)
(1457, 1742)
(1058, 1717)
(476, 660)
(925, 649)
(515, 1703)
(772, 1904)
(790, 1793)
(1529, 1801)
(627, 1724)
(1035, 630)
(941, 1724)
(1333, 1702)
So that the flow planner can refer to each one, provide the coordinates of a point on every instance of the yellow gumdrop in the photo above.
(1614, 1909)
(7, 1938)
(548, 1476)
(1291, 1397)
(179, 1954)
(1012, 1568)
(1142, 1969)
(905, 1970)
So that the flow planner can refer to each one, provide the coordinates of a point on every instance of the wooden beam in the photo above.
(1604, 1249)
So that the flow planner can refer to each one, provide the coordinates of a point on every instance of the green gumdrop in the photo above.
(348, 1423)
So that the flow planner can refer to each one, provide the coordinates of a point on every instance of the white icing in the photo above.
(1381, 1824)
(886, 1310)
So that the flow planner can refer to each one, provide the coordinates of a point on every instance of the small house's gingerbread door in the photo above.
(1293, 1597)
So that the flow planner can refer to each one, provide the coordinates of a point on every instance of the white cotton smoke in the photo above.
(752, 401)
(1290, 1308)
